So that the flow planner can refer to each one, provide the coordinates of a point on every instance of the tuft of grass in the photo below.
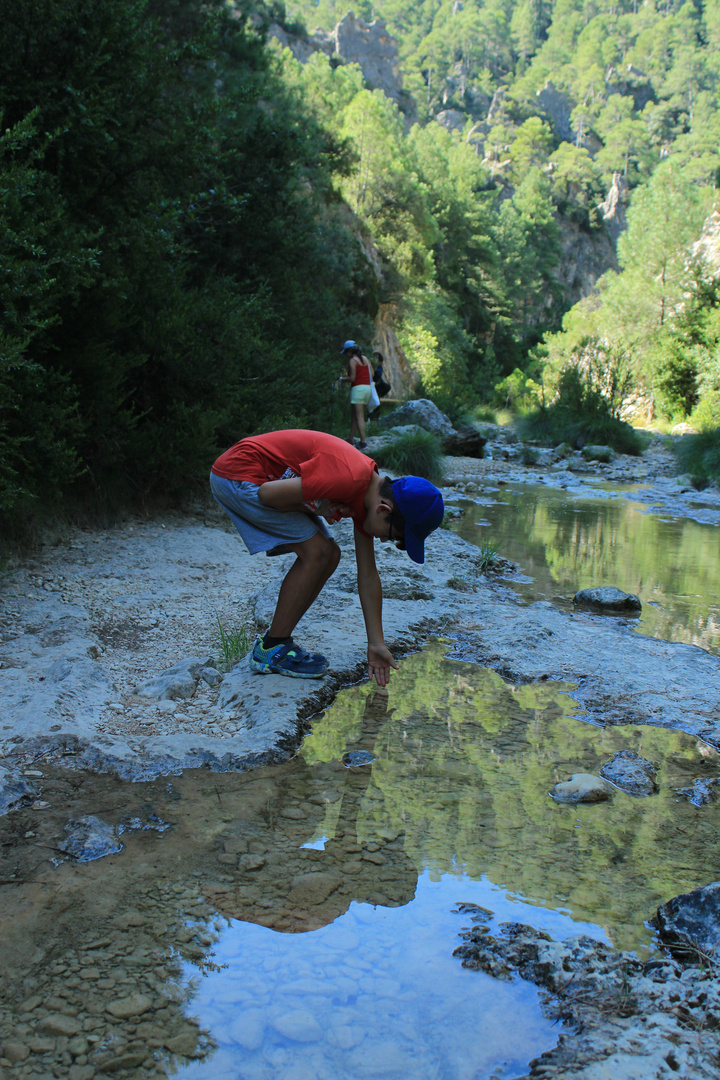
(461, 583)
(488, 551)
(234, 643)
(699, 455)
(418, 453)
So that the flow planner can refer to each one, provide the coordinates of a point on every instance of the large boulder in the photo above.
(690, 922)
(423, 413)
(465, 442)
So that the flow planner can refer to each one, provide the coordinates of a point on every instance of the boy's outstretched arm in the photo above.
(380, 658)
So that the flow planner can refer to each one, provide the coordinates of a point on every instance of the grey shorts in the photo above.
(261, 527)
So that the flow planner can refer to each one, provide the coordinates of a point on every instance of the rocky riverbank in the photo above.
(110, 659)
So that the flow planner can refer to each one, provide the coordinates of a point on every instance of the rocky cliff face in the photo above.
(404, 381)
(586, 256)
(707, 249)
(353, 41)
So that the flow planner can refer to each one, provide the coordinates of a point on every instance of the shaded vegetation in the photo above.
(417, 453)
(581, 414)
(699, 455)
(192, 221)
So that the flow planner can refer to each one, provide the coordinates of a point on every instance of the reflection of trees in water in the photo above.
(465, 768)
(569, 544)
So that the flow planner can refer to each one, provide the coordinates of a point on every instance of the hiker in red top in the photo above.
(279, 490)
(360, 377)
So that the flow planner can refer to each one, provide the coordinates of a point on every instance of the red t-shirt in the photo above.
(329, 467)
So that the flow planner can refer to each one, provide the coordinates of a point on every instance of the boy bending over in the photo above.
(279, 490)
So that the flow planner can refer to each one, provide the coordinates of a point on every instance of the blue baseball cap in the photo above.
(423, 509)
(349, 345)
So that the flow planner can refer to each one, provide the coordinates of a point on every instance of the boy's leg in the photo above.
(317, 559)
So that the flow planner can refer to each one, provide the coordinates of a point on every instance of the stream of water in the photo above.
(564, 542)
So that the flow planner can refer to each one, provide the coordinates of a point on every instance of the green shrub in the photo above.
(705, 416)
(699, 455)
(529, 455)
(580, 414)
(418, 453)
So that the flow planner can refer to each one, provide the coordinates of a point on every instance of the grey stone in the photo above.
(298, 1025)
(15, 1051)
(249, 1029)
(185, 1043)
(609, 599)
(311, 889)
(175, 683)
(135, 1005)
(581, 788)
(613, 208)
(88, 838)
(465, 442)
(452, 119)
(557, 108)
(691, 921)
(15, 790)
(59, 1024)
(211, 676)
(631, 773)
(702, 792)
(167, 688)
(424, 413)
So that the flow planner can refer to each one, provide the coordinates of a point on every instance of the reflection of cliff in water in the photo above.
(294, 888)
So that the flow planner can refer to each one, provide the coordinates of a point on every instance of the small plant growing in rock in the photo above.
(488, 551)
(461, 583)
(529, 455)
(234, 643)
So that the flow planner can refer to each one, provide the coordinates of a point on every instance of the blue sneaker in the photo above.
(289, 659)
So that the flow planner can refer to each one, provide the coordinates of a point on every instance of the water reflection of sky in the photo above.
(376, 993)
(567, 541)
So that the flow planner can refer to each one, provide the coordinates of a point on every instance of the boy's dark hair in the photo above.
(396, 521)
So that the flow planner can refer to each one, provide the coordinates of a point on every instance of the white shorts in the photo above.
(360, 395)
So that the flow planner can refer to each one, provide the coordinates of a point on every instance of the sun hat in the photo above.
(422, 507)
(349, 345)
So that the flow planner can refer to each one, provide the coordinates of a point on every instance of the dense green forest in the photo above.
(193, 220)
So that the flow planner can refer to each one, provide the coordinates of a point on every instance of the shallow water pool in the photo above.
(565, 541)
(299, 920)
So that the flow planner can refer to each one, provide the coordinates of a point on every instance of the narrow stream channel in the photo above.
(564, 542)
